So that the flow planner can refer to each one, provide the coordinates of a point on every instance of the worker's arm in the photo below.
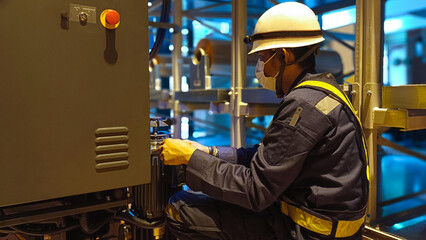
(278, 161)
(241, 156)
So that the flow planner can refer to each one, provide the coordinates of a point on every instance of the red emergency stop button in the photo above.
(110, 18)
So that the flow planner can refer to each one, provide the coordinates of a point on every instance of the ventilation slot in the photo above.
(112, 149)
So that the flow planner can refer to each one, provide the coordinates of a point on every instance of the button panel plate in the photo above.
(76, 10)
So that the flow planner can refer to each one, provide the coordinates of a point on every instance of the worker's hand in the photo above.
(198, 146)
(176, 151)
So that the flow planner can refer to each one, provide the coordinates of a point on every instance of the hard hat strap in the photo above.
(308, 53)
(280, 54)
(279, 78)
(282, 34)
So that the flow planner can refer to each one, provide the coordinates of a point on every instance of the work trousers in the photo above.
(196, 216)
(199, 217)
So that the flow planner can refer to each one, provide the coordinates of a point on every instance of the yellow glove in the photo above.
(176, 151)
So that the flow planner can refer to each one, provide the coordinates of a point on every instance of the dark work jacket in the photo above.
(319, 163)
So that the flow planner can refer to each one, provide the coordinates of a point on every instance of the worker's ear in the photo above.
(289, 56)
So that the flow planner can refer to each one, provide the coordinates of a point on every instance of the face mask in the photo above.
(266, 82)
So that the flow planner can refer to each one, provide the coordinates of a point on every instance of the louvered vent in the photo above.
(112, 148)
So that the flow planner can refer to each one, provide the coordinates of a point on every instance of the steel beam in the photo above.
(239, 61)
(190, 17)
(407, 120)
(155, 6)
(373, 233)
(207, 7)
(163, 25)
(331, 35)
(203, 96)
(177, 62)
(401, 216)
(274, 2)
(408, 97)
(399, 199)
(323, 8)
(368, 69)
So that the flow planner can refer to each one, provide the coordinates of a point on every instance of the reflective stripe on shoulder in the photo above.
(332, 89)
(344, 99)
(327, 104)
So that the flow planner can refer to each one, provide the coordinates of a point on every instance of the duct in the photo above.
(219, 59)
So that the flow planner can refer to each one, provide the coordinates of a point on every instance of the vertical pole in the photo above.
(177, 66)
(368, 79)
(239, 62)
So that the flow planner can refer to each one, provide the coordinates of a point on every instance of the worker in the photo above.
(307, 179)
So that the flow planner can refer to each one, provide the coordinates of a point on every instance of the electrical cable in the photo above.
(139, 222)
(41, 233)
(84, 226)
(7, 231)
(161, 33)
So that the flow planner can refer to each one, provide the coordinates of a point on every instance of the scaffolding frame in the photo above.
(367, 88)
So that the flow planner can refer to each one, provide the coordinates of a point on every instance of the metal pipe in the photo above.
(323, 8)
(384, 142)
(398, 217)
(163, 25)
(399, 199)
(239, 60)
(372, 233)
(274, 2)
(207, 25)
(215, 15)
(177, 63)
(339, 40)
(320, 9)
(368, 69)
(154, 6)
(207, 7)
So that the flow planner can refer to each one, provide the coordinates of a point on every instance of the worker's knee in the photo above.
(183, 199)
(188, 198)
(172, 213)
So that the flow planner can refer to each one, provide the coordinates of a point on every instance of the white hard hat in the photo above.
(286, 25)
